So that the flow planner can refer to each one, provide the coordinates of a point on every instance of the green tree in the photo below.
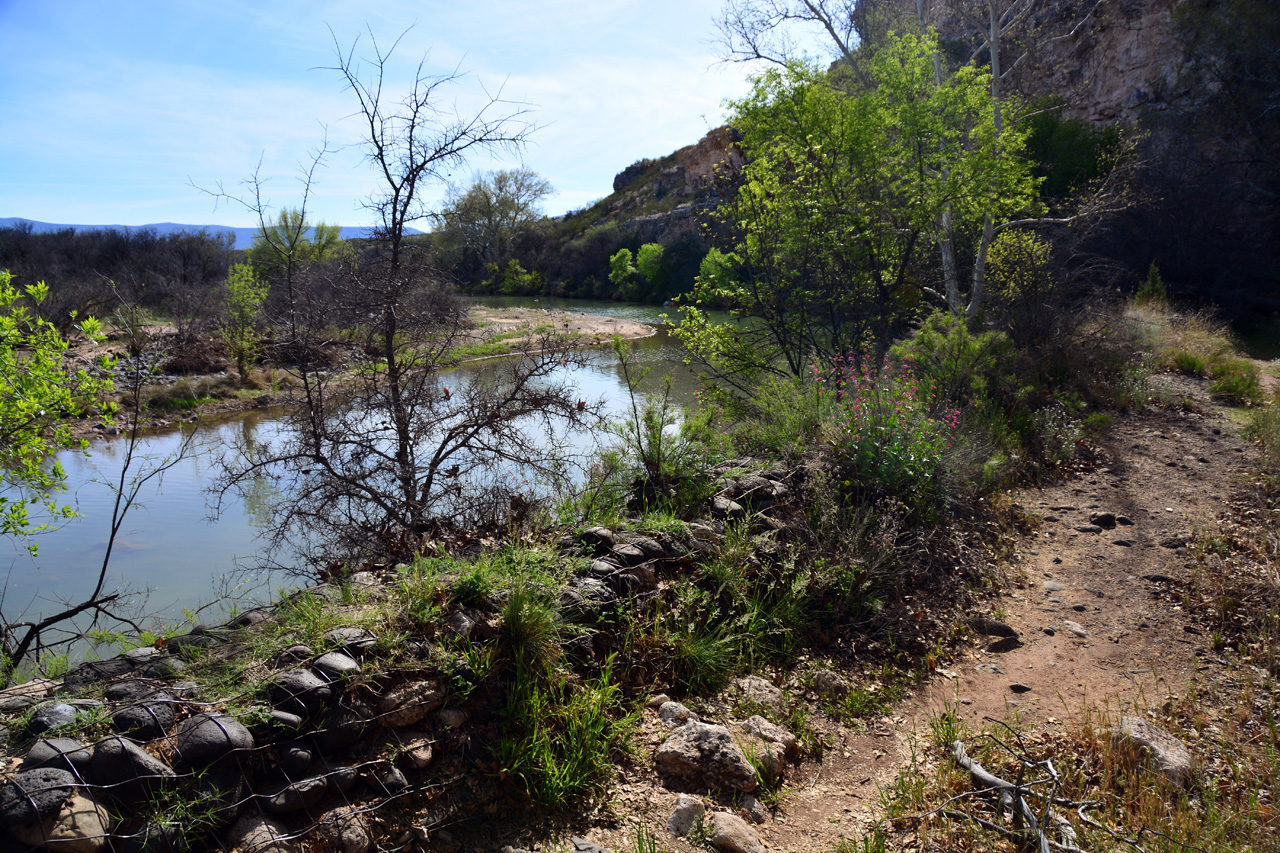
(39, 396)
(245, 295)
(639, 277)
(842, 200)
(482, 222)
(282, 248)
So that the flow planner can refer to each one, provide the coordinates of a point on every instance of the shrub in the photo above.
(1188, 362)
(1152, 291)
(1236, 380)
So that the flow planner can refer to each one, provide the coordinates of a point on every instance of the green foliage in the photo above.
(1235, 380)
(1152, 290)
(512, 280)
(531, 630)
(479, 225)
(245, 295)
(1189, 362)
(960, 366)
(39, 395)
(841, 201)
(1068, 153)
(561, 735)
(283, 247)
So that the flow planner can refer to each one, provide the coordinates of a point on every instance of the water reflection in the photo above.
(170, 547)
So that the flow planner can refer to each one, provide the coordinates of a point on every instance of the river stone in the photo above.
(1146, 744)
(825, 682)
(409, 703)
(598, 539)
(345, 830)
(705, 755)
(295, 760)
(686, 815)
(62, 752)
(339, 777)
(255, 833)
(207, 738)
(723, 507)
(35, 795)
(627, 554)
(129, 690)
(769, 732)
(293, 654)
(80, 826)
(732, 834)
(125, 769)
(50, 717)
(300, 691)
(343, 725)
(292, 796)
(761, 691)
(392, 780)
(351, 640)
(148, 719)
(166, 667)
(336, 666)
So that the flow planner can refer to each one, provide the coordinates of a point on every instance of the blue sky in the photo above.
(110, 110)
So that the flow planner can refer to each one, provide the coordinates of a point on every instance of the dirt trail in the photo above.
(1090, 602)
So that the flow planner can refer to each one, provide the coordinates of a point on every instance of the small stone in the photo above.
(582, 845)
(686, 815)
(755, 809)
(300, 691)
(1105, 520)
(459, 624)
(409, 703)
(828, 683)
(392, 780)
(63, 753)
(1075, 628)
(451, 718)
(675, 714)
(345, 829)
(657, 700)
(1079, 608)
(80, 826)
(351, 640)
(293, 796)
(1089, 528)
(1053, 586)
(706, 755)
(990, 627)
(50, 717)
(1018, 687)
(419, 753)
(732, 834)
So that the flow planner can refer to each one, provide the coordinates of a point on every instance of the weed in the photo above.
(1190, 363)
(1236, 381)
(531, 629)
(644, 840)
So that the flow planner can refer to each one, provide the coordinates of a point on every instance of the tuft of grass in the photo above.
(1236, 381)
(1190, 363)
(530, 631)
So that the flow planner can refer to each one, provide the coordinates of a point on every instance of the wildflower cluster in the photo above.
(888, 441)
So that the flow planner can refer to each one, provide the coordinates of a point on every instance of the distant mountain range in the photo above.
(244, 236)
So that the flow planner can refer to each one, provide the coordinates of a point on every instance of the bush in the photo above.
(1189, 362)
(1236, 380)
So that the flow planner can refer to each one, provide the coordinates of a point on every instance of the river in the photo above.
(179, 557)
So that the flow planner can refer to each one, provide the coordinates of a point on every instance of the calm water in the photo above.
(170, 547)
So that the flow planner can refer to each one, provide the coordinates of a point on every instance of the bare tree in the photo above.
(381, 455)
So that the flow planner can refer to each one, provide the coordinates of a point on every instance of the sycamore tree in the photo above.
(245, 294)
(823, 243)
(38, 397)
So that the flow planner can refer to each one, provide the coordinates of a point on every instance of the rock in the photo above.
(828, 683)
(1123, 543)
(191, 645)
(1016, 687)
(339, 777)
(166, 667)
(587, 599)
(21, 696)
(249, 618)
(344, 829)
(50, 717)
(351, 640)
(254, 833)
(674, 714)
(419, 753)
(362, 579)
(459, 624)
(129, 690)
(293, 796)
(705, 755)
(335, 666)
(1053, 586)
(1148, 745)
(761, 691)
(35, 795)
(409, 703)
(148, 719)
(1075, 628)
(651, 548)
(599, 539)
(96, 672)
(1004, 644)
(80, 826)
(1105, 520)
(754, 808)
(343, 725)
(125, 770)
(582, 845)
(627, 554)
(205, 739)
(769, 732)
(300, 691)
(990, 627)
(392, 780)
(63, 753)
(292, 655)
(284, 720)
(450, 718)
(657, 700)
(722, 507)
(142, 654)
(686, 815)
(295, 760)
(733, 834)
(1089, 528)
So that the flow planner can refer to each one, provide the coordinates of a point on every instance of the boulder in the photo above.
(205, 739)
(705, 755)
(733, 834)
(1147, 745)
(80, 826)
